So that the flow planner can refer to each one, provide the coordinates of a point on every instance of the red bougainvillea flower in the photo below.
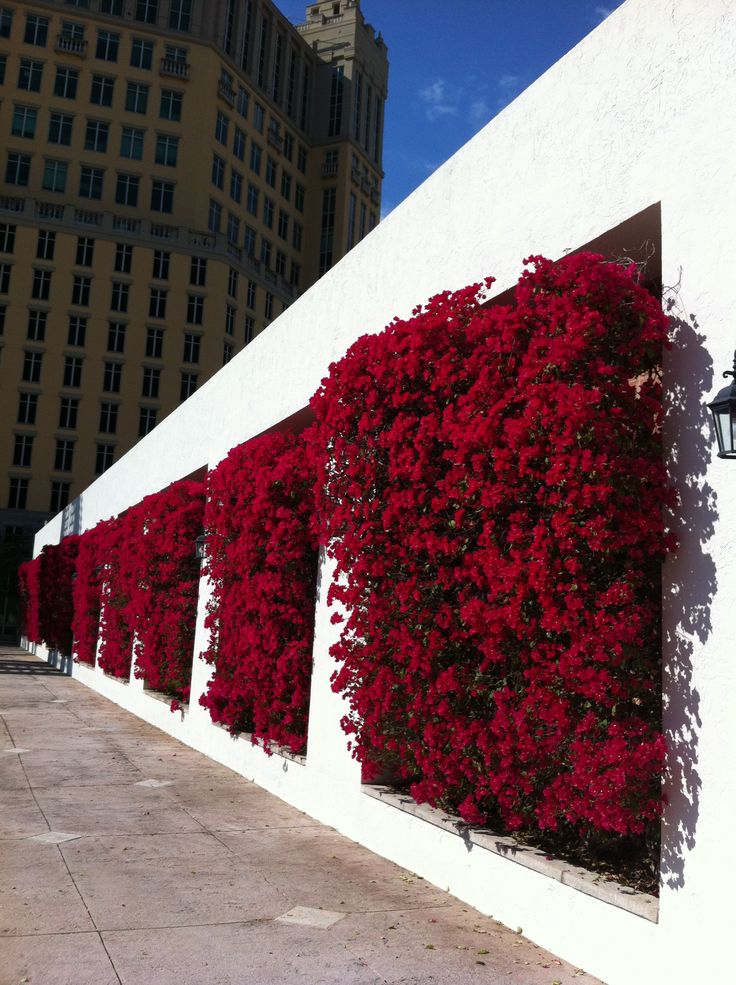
(490, 484)
(262, 561)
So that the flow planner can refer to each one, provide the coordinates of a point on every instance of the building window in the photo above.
(123, 258)
(214, 216)
(104, 458)
(136, 97)
(146, 421)
(111, 7)
(233, 228)
(45, 244)
(249, 330)
(32, 366)
(18, 169)
(232, 282)
(242, 103)
(27, 407)
(24, 122)
(108, 418)
(252, 200)
(329, 196)
(188, 385)
(229, 320)
(37, 325)
(41, 287)
(65, 84)
(116, 336)
(102, 90)
(157, 303)
(131, 143)
(337, 88)
(30, 74)
(268, 211)
(351, 221)
(299, 197)
(268, 305)
(72, 371)
(126, 189)
(239, 144)
(271, 171)
(5, 269)
(295, 273)
(23, 450)
(77, 330)
(255, 158)
(283, 224)
(80, 291)
(85, 251)
(141, 53)
(296, 236)
(146, 11)
(90, 182)
(265, 252)
(218, 171)
(68, 411)
(60, 129)
(162, 196)
(18, 495)
(167, 150)
(108, 44)
(227, 353)
(161, 263)
(95, 137)
(286, 185)
(37, 30)
(111, 376)
(171, 103)
(195, 309)
(59, 496)
(180, 12)
(301, 159)
(7, 237)
(3, 312)
(191, 348)
(221, 125)
(258, 115)
(154, 342)
(236, 186)
(250, 297)
(54, 175)
(288, 146)
(151, 381)
(280, 265)
(249, 241)
(198, 271)
(119, 298)
(64, 455)
(6, 22)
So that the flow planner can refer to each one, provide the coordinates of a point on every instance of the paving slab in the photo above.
(202, 878)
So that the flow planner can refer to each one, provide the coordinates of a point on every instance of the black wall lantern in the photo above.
(199, 547)
(723, 408)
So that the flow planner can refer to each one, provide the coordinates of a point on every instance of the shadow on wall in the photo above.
(689, 581)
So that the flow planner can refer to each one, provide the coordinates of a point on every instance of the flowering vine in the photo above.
(490, 484)
(262, 562)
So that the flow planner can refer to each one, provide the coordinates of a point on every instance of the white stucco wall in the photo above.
(641, 112)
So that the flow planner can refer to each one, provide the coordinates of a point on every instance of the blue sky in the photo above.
(455, 64)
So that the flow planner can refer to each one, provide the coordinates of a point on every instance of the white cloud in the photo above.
(604, 12)
(479, 112)
(438, 101)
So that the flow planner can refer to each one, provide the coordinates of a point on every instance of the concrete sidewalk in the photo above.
(128, 858)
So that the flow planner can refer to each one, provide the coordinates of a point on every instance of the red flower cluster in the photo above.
(138, 581)
(46, 595)
(489, 481)
(262, 561)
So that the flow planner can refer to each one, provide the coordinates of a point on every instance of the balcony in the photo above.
(201, 239)
(174, 68)
(123, 224)
(50, 210)
(10, 204)
(161, 231)
(84, 217)
(329, 169)
(225, 91)
(71, 46)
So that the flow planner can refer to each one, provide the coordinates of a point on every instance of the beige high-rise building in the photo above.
(173, 174)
